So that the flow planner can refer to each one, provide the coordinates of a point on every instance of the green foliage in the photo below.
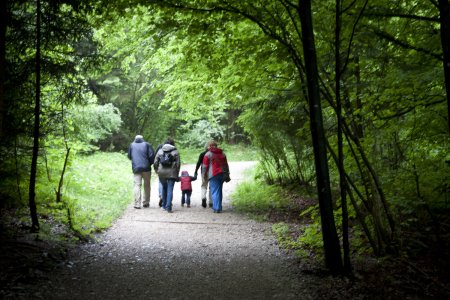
(308, 244)
(91, 123)
(283, 234)
(202, 131)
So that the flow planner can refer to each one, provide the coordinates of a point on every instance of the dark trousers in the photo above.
(186, 197)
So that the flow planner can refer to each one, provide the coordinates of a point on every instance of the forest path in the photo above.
(189, 254)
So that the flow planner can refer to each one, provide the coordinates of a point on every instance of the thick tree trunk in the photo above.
(332, 249)
(37, 114)
(444, 11)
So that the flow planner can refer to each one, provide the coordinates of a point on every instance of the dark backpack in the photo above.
(167, 159)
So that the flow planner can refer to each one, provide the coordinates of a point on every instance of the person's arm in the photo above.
(129, 152)
(178, 162)
(150, 153)
(156, 162)
(205, 166)
(226, 169)
(199, 162)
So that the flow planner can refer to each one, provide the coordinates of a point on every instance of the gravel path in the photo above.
(190, 254)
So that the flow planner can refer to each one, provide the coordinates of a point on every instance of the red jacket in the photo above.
(215, 162)
(186, 180)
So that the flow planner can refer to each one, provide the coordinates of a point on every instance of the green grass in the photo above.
(258, 199)
(98, 189)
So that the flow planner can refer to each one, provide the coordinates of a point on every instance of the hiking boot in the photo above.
(137, 207)
(146, 205)
(204, 203)
(188, 205)
(160, 202)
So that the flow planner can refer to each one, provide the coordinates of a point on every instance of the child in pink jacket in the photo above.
(186, 188)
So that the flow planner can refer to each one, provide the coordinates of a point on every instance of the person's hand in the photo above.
(227, 178)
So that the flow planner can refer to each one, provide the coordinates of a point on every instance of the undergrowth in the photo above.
(274, 203)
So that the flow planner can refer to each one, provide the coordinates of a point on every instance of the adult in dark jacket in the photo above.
(168, 175)
(204, 187)
(141, 155)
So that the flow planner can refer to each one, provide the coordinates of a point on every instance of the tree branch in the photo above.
(405, 45)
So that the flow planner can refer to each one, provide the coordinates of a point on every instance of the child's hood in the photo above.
(184, 173)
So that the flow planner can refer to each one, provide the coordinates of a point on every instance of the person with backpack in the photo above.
(216, 171)
(204, 187)
(186, 187)
(141, 155)
(167, 166)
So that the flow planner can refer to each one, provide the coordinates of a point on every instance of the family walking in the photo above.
(166, 162)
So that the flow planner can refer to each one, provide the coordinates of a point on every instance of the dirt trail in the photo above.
(190, 254)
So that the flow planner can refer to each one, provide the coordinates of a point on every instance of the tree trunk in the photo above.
(342, 181)
(66, 159)
(3, 22)
(333, 260)
(37, 113)
(444, 12)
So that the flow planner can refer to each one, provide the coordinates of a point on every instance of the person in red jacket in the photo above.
(186, 187)
(216, 170)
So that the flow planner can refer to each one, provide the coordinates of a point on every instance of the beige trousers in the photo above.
(138, 177)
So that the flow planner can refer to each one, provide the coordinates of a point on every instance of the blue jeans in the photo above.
(167, 192)
(160, 187)
(215, 186)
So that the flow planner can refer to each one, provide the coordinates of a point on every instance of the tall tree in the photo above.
(444, 18)
(37, 117)
(333, 258)
(3, 22)
(342, 180)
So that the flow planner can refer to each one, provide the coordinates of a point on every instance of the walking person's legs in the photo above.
(170, 183)
(137, 190)
(163, 183)
(147, 188)
(204, 190)
(183, 196)
(160, 188)
(209, 197)
(188, 198)
(220, 192)
(214, 185)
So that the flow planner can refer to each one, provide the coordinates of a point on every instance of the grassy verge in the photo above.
(98, 189)
(294, 218)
